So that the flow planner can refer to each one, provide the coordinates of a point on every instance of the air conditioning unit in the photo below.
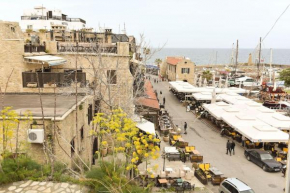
(35, 135)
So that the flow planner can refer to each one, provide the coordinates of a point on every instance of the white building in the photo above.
(42, 18)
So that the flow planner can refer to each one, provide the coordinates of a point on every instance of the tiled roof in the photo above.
(150, 100)
(173, 60)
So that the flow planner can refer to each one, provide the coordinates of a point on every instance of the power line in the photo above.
(276, 22)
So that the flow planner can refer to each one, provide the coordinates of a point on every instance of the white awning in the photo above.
(144, 125)
(48, 59)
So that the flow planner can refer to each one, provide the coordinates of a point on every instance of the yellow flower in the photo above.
(133, 160)
(146, 155)
(152, 176)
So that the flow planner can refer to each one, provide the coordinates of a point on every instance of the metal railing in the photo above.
(53, 18)
(87, 48)
(29, 48)
(50, 79)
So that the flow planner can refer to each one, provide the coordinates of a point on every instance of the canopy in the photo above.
(49, 59)
(205, 96)
(254, 129)
(144, 124)
(276, 120)
(170, 150)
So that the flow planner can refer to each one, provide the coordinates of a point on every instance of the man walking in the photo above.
(233, 147)
(164, 101)
(229, 145)
(185, 127)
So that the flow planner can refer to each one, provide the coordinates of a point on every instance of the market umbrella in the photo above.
(200, 81)
(213, 99)
(205, 82)
(220, 82)
(227, 82)
(213, 80)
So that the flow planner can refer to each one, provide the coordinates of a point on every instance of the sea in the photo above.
(222, 56)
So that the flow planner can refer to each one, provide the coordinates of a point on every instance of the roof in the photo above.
(144, 125)
(174, 60)
(241, 186)
(150, 99)
(21, 103)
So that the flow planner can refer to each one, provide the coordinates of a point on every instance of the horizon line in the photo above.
(221, 48)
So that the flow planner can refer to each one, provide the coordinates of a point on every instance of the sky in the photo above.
(176, 23)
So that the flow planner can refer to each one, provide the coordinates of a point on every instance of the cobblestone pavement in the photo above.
(42, 187)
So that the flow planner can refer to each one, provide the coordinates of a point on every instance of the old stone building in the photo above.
(40, 62)
(178, 68)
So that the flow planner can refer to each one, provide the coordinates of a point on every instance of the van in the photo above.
(234, 185)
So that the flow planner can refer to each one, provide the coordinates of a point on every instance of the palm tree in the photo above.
(207, 74)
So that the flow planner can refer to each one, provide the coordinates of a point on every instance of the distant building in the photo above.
(42, 18)
(178, 68)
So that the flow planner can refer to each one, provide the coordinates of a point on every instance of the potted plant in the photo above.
(104, 148)
(166, 136)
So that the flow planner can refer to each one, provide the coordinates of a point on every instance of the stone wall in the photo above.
(66, 130)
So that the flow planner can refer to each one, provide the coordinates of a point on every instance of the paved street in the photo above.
(208, 142)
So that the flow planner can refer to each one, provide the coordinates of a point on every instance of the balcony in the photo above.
(52, 79)
(86, 48)
(29, 48)
(53, 18)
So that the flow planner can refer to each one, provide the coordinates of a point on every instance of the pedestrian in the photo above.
(185, 127)
(163, 100)
(233, 147)
(229, 145)
(160, 92)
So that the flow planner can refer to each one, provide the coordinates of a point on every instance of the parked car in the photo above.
(263, 159)
(234, 185)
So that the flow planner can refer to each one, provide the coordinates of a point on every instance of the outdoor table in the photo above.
(189, 149)
(181, 139)
(176, 137)
(186, 169)
(168, 169)
(162, 182)
(195, 152)
(215, 171)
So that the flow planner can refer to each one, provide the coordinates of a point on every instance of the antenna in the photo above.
(258, 65)
(270, 72)
(232, 57)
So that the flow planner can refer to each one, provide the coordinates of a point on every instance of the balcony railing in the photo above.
(52, 79)
(53, 18)
(86, 48)
(29, 48)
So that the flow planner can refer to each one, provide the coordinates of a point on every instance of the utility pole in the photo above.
(270, 70)
(259, 61)
(237, 52)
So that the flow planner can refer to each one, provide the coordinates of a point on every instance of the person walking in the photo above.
(229, 145)
(233, 147)
(185, 127)
(164, 101)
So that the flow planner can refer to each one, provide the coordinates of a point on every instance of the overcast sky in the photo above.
(178, 23)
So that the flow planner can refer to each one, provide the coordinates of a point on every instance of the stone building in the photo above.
(178, 68)
(39, 61)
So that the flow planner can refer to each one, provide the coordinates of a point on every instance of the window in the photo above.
(97, 106)
(112, 77)
(13, 29)
(29, 27)
(72, 144)
(185, 70)
(90, 113)
(82, 133)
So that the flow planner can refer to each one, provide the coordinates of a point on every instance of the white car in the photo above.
(246, 81)
(234, 185)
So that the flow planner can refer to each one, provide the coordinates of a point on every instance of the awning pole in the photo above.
(42, 67)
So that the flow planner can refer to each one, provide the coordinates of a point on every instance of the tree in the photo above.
(157, 61)
(207, 74)
(285, 76)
